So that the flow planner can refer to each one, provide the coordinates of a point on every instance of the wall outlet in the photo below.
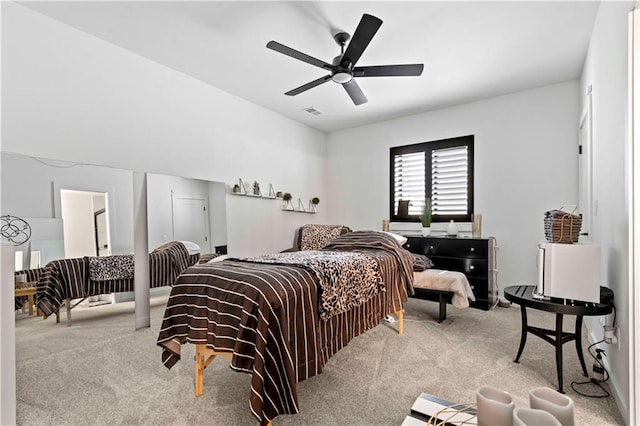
(610, 335)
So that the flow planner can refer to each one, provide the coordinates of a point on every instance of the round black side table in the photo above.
(523, 296)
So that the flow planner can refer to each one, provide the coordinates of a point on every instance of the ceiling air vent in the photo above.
(313, 111)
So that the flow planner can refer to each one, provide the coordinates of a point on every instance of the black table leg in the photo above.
(442, 312)
(579, 344)
(559, 350)
(523, 336)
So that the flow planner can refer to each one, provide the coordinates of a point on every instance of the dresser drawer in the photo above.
(414, 245)
(469, 267)
(455, 247)
(480, 288)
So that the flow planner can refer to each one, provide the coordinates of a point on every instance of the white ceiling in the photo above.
(470, 50)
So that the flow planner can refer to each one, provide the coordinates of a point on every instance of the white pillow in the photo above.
(401, 239)
(218, 258)
(191, 247)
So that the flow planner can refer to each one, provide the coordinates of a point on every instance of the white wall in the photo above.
(68, 95)
(605, 71)
(525, 164)
(217, 214)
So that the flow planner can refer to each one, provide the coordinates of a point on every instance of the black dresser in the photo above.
(475, 257)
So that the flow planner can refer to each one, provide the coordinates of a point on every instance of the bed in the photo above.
(280, 321)
(63, 280)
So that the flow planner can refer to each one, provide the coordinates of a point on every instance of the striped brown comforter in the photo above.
(346, 278)
(267, 316)
(32, 275)
(70, 279)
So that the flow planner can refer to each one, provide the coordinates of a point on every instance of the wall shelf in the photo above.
(248, 191)
(254, 196)
(245, 190)
(298, 211)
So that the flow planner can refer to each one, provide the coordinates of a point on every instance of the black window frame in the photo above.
(427, 148)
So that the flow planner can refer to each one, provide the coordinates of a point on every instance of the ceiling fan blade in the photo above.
(354, 91)
(411, 70)
(367, 28)
(308, 86)
(274, 45)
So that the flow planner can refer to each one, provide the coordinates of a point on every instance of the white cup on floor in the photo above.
(523, 416)
(552, 401)
(494, 407)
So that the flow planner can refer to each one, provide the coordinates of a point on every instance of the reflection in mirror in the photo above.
(85, 223)
(33, 188)
(183, 209)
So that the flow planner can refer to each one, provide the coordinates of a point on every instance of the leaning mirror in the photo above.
(73, 210)
(184, 209)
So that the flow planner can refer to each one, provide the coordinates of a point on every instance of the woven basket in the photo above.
(461, 414)
(562, 227)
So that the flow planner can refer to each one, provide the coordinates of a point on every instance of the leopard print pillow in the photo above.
(315, 237)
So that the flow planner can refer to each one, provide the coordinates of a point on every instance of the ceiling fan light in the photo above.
(341, 77)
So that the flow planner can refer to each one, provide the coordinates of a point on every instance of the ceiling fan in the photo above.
(343, 69)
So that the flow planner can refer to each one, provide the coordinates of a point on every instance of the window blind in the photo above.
(409, 182)
(449, 181)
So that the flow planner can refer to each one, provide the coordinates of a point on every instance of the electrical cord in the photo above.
(593, 380)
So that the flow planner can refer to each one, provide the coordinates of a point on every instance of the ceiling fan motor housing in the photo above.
(342, 73)
(341, 38)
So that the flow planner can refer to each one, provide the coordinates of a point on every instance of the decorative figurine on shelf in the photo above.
(313, 204)
(425, 218)
(286, 197)
(256, 188)
(236, 188)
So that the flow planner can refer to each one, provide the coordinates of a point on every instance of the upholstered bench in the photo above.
(443, 287)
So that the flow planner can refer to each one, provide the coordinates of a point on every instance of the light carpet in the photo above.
(101, 371)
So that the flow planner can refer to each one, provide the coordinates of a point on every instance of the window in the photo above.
(441, 170)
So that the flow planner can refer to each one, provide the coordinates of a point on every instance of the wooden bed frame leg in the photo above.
(68, 303)
(199, 368)
(204, 357)
(400, 315)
